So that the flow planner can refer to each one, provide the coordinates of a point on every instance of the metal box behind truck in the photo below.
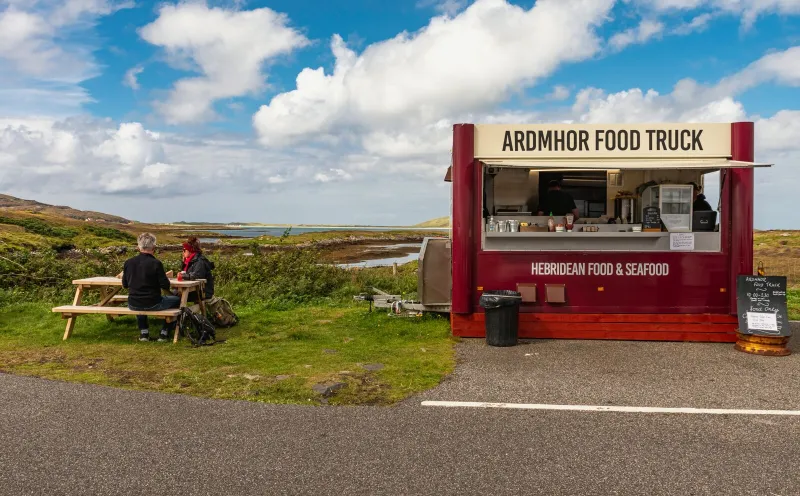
(434, 278)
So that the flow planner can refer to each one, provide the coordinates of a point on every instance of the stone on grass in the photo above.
(330, 352)
(373, 366)
(328, 389)
(282, 377)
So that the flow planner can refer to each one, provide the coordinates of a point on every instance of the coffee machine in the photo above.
(626, 208)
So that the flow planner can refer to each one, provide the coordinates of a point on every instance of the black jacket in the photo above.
(200, 268)
(144, 278)
(700, 204)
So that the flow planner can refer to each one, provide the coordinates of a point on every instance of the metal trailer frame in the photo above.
(430, 300)
(397, 306)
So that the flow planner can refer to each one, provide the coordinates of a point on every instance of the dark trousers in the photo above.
(166, 303)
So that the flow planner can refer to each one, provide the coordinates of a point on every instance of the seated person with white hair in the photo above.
(144, 278)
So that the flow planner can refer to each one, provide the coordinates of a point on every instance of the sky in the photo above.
(341, 112)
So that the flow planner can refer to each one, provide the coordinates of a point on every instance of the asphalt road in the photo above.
(60, 438)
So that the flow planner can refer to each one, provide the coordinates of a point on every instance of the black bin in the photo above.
(502, 316)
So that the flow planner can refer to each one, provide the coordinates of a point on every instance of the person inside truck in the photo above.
(557, 202)
(700, 204)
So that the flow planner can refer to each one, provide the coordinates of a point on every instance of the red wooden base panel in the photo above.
(641, 327)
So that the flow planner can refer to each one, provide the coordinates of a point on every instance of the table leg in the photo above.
(108, 292)
(184, 299)
(201, 293)
(71, 321)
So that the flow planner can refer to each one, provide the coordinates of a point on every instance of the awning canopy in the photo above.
(589, 164)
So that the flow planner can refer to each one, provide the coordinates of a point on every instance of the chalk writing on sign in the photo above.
(761, 304)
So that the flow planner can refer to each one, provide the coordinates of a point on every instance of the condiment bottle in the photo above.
(551, 223)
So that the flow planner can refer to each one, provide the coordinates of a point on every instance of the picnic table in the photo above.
(110, 287)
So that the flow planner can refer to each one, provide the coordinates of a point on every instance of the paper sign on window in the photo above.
(681, 241)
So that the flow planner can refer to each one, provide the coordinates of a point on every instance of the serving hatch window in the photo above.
(518, 191)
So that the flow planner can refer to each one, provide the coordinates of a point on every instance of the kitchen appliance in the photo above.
(511, 210)
(704, 220)
(627, 209)
(674, 202)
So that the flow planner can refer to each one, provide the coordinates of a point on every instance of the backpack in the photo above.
(196, 327)
(221, 313)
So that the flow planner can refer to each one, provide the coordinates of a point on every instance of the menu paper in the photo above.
(681, 241)
(763, 321)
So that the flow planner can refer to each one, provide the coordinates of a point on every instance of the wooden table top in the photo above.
(113, 281)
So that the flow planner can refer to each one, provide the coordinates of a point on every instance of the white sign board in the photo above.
(681, 241)
(762, 321)
(608, 141)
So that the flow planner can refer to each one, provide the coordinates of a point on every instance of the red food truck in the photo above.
(624, 249)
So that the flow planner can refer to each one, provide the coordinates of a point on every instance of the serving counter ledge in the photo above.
(594, 241)
(577, 234)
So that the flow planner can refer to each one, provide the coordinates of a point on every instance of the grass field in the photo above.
(274, 356)
(299, 331)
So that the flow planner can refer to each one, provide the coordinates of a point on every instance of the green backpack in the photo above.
(221, 313)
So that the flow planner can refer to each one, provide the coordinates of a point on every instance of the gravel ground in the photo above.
(627, 373)
(63, 438)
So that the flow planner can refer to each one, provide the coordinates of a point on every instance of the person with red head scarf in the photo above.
(197, 266)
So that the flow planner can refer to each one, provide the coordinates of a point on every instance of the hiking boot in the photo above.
(163, 337)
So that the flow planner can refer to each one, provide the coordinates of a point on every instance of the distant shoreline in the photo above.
(286, 226)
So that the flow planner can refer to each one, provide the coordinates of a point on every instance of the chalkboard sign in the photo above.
(651, 219)
(761, 304)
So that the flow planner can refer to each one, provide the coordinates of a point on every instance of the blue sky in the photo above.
(162, 111)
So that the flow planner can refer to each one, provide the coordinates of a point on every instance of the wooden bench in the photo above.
(71, 311)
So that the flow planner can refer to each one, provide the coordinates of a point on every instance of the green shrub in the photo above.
(42, 228)
(277, 279)
(110, 233)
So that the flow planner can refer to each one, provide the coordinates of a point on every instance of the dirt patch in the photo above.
(358, 389)
(40, 357)
(357, 253)
(134, 376)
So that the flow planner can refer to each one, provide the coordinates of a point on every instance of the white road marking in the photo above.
(603, 408)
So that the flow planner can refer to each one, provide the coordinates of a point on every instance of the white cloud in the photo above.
(698, 23)
(469, 63)
(44, 55)
(644, 32)
(83, 155)
(130, 80)
(781, 67)
(332, 175)
(779, 133)
(559, 93)
(749, 10)
(35, 41)
(447, 7)
(227, 47)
